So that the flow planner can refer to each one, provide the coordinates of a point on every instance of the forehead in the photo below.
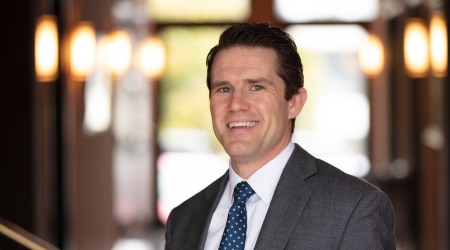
(244, 56)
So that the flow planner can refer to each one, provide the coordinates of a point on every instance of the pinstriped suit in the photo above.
(315, 206)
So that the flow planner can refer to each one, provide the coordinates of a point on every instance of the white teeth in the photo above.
(242, 124)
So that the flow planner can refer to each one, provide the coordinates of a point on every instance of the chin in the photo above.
(238, 151)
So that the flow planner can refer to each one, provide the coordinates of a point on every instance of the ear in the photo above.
(297, 102)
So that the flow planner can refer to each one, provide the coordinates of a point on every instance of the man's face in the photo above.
(250, 116)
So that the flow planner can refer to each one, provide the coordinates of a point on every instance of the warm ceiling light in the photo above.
(152, 57)
(82, 51)
(371, 56)
(438, 44)
(46, 49)
(118, 52)
(416, 48)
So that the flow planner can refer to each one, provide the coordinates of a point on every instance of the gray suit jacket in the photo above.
(315, 206)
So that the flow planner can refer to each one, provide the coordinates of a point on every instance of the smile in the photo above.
(242, 124)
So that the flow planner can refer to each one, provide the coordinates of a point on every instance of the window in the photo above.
(334, 124)
(209, 11)
(296, 11)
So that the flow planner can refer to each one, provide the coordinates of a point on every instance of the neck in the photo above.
(247, 167)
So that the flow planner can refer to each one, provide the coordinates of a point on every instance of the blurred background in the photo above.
(105, 115)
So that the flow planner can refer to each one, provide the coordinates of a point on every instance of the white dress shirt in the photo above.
(264, 182)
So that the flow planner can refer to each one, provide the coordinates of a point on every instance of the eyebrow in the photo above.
(219, 83)
(247, 80)
(258, 80)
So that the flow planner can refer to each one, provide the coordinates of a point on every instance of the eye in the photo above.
(224, 90)
(256, 87)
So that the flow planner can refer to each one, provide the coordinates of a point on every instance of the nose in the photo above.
(238, 101)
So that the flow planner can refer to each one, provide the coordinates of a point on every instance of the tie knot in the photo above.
(242, 191)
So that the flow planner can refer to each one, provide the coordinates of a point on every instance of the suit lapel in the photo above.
(290, 198)
(204, 215)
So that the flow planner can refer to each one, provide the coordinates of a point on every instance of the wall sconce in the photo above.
(152, 57)
(371, 56)
(46, 49)
(118, 53)
(438, 44)
(82, 51)
(415, 46)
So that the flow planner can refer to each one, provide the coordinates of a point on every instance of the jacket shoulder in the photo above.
(187, 224)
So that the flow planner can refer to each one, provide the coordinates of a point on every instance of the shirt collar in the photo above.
(265, 179)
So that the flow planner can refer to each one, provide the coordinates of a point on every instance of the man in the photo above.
(296, 201)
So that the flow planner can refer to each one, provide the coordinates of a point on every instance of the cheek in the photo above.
(279, 114)
(215, 113)
(271, 107)
(212, 108)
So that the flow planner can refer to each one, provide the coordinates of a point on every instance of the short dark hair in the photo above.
(265, 35)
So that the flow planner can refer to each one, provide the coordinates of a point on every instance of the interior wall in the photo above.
(87, 158)
(16, 129)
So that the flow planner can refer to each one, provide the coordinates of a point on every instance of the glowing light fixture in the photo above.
(438, 45)
(152, 57)
(82, 51)
(119, 52)
(416, 52)
(46, 48)
(371, 56)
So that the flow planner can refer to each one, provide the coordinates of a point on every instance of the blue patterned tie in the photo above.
(236, 229)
